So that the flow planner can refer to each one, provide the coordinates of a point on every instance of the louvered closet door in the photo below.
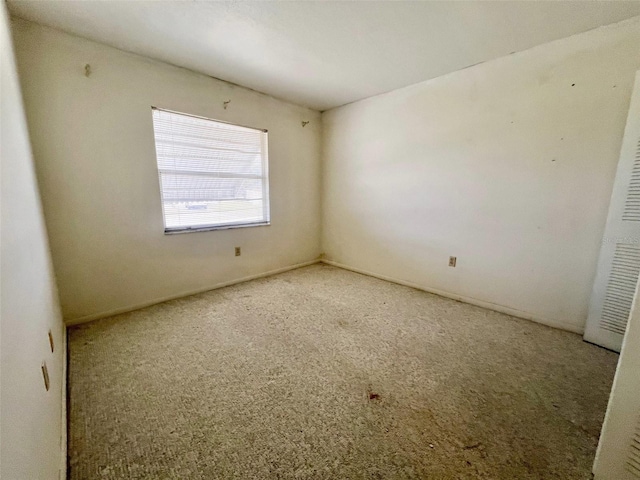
(633, 460)
(618, 456)
(619, 262)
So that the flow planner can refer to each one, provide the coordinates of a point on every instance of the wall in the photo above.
(31, 420)
(93, 144)
(507, 165)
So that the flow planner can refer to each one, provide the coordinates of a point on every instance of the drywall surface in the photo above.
(507, 165)
(95, 155)
(31, 422)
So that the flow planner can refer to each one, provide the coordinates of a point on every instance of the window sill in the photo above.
(176, 231)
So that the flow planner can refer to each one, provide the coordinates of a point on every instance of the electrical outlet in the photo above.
(452, 261)
(238, 251)
(51, 340)
(45, 375)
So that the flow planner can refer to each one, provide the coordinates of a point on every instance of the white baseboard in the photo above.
(63, 422)
(117, 311)
(473, 301)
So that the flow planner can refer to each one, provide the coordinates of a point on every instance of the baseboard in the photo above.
(64, 413)
(461, 298)
(117, 311)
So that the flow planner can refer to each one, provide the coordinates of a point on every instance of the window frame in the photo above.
(266, 180)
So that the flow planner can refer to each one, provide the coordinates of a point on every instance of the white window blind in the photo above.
(212, 174)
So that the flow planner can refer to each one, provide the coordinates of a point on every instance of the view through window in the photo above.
(212, 174)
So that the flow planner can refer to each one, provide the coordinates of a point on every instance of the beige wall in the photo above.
(507, 165)
(31, 421)
(93, 144)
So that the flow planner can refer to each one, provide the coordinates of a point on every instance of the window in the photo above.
(212, 174)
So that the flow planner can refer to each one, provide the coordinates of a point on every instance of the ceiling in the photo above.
(324, 54)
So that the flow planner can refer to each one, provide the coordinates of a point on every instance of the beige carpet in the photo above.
(321, 373)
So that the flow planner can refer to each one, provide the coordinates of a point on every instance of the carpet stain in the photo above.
(260, 380)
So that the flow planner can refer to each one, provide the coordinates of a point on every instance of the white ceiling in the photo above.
(324, 54)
